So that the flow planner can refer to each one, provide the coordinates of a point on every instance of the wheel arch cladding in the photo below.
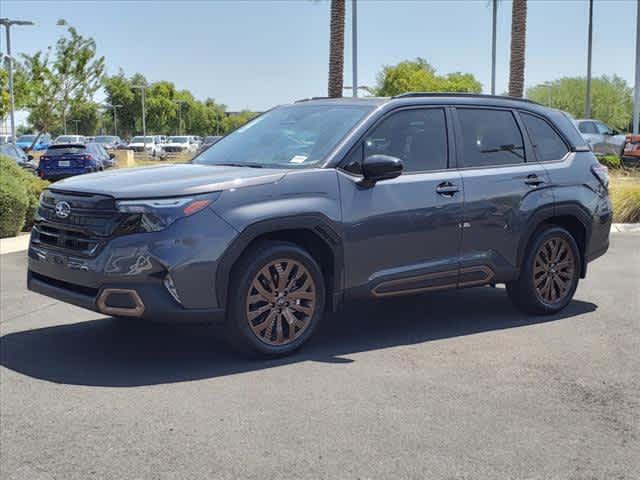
(314, 233)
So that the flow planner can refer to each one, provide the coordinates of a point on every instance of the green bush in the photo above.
(625, 197)
(19, 193)
(610, 161)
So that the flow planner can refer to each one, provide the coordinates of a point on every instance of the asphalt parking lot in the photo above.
(454, 385)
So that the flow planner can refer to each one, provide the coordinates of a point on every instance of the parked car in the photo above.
(90, 139)
(42, 143)
(632, 148)
(148, 144)
(208, 141)
(110, 142)
(324, 201)
(25, 161)
(5, 139)
(603, 139)
(70, 159)
(62, 139)
(180, 144)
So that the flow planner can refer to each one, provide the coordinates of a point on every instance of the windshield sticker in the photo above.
(298, 159)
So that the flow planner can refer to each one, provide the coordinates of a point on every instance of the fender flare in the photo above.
(317, 224)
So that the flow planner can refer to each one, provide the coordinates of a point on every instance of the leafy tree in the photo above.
(419, 76)
(612, 99)
(20, 88)
(518, 36)
(87, 113)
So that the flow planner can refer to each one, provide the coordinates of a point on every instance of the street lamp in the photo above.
(144, 125)
(354, 42)
(179, 103)
(115, 118)
(587, 100)
(7, 25)
(636, 89)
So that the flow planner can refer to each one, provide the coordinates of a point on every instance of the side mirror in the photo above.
(29, 157)
(112, 155)
(380, 167)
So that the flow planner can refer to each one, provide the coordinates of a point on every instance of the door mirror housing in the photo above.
(29, 157)
(380, 167)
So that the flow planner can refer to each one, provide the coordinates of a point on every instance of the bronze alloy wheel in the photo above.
(554, 270)
(281, 301)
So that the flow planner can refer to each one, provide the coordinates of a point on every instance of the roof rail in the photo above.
(461, 94)
(312, 98)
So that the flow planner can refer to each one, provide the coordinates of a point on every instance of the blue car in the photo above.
(25, 141)
(67, 160)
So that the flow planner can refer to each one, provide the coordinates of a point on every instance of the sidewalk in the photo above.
(21, 242)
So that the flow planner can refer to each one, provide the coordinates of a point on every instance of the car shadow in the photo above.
(124, 353)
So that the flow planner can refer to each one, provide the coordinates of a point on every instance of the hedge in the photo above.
(19, 194)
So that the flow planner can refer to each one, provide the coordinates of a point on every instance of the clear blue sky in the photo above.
(254, 54)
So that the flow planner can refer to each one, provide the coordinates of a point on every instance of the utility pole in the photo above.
(12, 106)
(115, 117)
(587, 100)
(144, 125)
(179, 103)
(76, 122)
(636, 88)
(354, 38)
(493, 47)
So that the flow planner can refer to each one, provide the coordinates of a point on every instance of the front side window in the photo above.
(587, 127)
(490, 138)
(603, 129)
(293, 136)
(418, 137)
(546, 142)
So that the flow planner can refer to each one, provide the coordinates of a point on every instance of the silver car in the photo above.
(603, 139)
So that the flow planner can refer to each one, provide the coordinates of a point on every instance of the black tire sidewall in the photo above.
(239, 332)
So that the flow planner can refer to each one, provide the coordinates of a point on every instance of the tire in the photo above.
(548, 279)
(261, 311)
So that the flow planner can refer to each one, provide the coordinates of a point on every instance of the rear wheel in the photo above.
(549, 273)
(276, 300)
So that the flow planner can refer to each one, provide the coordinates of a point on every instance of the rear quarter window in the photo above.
(546, 142)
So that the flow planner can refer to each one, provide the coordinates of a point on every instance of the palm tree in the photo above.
(336, 48)
(518, 34)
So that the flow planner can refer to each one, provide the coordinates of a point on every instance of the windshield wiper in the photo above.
(250, 165)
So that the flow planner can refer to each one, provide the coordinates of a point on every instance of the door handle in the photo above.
(447, 189)
(533, 180)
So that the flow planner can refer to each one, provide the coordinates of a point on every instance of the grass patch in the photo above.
(624, 191)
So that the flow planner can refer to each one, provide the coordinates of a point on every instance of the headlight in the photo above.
(153, 215)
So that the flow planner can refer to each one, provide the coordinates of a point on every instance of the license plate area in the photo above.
(64, 163)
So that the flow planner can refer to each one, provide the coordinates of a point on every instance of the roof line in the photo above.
(461, 94)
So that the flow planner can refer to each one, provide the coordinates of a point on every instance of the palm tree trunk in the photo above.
(518, 34)
(336, 48)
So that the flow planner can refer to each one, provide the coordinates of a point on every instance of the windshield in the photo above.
(105, 139)
(27, 138)
(65, 149)
(178, 140)
(67, 139)
(294, 136)
(142, 140)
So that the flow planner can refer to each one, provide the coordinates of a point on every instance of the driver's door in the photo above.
(403, 235)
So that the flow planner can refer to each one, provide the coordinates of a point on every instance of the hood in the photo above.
(168, 180)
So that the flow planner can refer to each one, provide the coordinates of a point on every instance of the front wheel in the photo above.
(549, 273)
(276, 299)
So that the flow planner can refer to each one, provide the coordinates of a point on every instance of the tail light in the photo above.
(602, 174)
(88, 158)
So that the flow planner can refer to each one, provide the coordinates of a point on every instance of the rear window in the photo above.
(54, 151)
(546, 142)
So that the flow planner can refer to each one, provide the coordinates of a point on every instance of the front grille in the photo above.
(172, 149)
(90, 223)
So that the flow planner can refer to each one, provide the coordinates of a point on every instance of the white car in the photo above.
(603, 139)
(150, 144)
(180, 144)
(61, 139)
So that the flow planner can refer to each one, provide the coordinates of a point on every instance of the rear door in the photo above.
(503, 186)
(403, 235)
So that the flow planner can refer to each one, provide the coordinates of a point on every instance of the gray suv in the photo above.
(328, 200)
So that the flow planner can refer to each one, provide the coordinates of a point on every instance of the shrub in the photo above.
(625, 197)
(19, 193)
(610, 161)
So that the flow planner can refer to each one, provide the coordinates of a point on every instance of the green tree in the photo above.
(87, 113)
(419, 76)
(21, 88)
(612, 99)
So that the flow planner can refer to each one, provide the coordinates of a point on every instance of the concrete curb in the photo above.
(625, 228)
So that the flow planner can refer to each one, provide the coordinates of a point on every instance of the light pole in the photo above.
(636, 89)
(587, 100)
(354, 38)
(115, 117)
(76, 122)
(179, 103)
(144, 124)
(493, 46)
(7, 25)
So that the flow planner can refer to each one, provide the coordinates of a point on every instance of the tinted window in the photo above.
(490, 137)
(587, 127)
(64, 150)
(417, 136)
(602, 128)
(546, 142)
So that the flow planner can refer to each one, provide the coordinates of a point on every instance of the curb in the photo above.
(21, 242)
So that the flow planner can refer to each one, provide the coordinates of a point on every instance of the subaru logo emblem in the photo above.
(63, 209)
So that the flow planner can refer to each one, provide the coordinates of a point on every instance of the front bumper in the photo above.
(188, 251)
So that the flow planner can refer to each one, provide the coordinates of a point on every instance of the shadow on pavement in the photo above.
(122, 353)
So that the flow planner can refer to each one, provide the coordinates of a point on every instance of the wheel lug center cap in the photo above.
(280, 301)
